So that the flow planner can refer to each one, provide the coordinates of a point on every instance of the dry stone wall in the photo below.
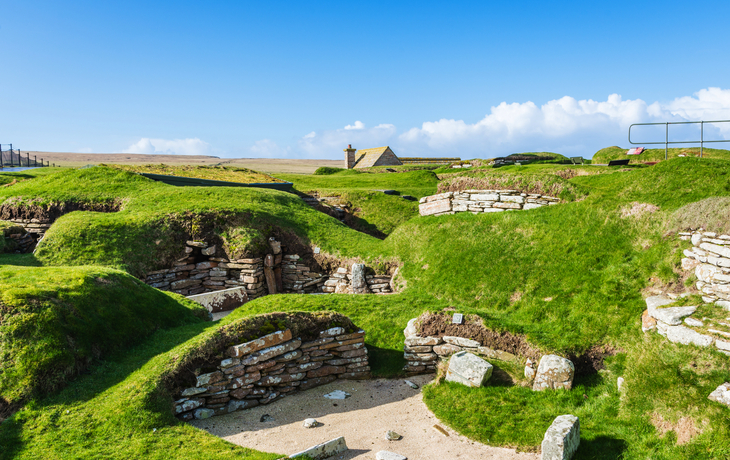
(269, 368)
(200, 272)
(710, 259)
(476, 201)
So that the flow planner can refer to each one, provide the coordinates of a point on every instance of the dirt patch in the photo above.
(12, 209)
(208, 356)
(375, 407)
(591, 361)
(684, 428)
(440, 325)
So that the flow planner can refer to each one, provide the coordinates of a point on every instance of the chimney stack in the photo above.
(349, 157)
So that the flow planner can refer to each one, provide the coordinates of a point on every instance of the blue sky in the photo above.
(301, 80)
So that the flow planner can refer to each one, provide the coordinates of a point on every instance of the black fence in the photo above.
(14, 158)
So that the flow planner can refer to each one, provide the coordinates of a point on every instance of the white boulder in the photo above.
(468, 369)
(561, 439)
(554, 372)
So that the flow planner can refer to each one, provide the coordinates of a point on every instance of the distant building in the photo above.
(366, 158)
(384, 156)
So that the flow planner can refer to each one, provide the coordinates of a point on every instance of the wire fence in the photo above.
(15, 158)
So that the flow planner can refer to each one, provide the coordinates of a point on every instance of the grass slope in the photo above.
(55, 321)
(648, 155)
(221, 173)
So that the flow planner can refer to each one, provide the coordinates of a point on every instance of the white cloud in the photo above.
(269, 149)
(566, 125)
(149, 146)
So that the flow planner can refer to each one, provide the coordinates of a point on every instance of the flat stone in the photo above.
(324, 450)
(722, 345)
(496, 354)
(657, 301)
(210, 378)
(468, 369)
(266, 341)
(671, 315)
(337, 394)
(434, 207)
(193, 391)
(461, 342)
(411, 384)
(684, 335)
(233, 405)
(554, 372)
(724, 304)
(332, 332)
(392, 436)
(693, 322)
(224, 300)
(619, 383)
(419, 341)
(446, 349)
(721, 394)
(386, 455)
(202, 414)
(562, 439)
(707, 272)
(722, 250)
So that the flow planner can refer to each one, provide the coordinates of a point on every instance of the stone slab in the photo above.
(562, 439)
(324, 450)
(468, 369)
(225, 300)
(554, 372)
(434, 207)
(266, 341)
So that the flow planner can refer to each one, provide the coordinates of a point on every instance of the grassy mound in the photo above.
(617, 153)
(56, 321)
(221, 173)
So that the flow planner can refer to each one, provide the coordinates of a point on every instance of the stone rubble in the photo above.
(267, 369)
(477, 201)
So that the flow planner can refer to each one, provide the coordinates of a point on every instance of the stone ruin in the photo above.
(479, 201)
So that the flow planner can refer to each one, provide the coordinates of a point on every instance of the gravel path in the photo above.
(375, 407)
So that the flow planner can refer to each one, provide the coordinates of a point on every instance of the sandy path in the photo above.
(375, 407)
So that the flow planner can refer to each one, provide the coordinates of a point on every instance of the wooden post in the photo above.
(269, 274)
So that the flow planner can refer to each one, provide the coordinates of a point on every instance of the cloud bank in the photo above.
(170, 147)
(566, 125)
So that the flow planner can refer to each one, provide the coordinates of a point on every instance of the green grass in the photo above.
(617, 153)
(55, 321)
(221, 173)
(567, 277)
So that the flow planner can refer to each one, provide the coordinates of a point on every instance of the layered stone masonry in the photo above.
(423, 354)
(710, 259)
(275, 273)
(269, 368)
(476, 201)
(37, 226)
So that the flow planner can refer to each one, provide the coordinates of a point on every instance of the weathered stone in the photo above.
(189, 404)
(354, 335)
(501, 205)
(561, 440)
(324, 450)
(420, 341)
(332, 332)
(202, 414)
(314, 382)
(468, 369)
(721, 394)
(445, 349)
(337, 394)
(690, 264)
(684, 335)
(233, 406)
(420, 356)
(434, 207)
(240, 393)
(707, 272)
(392, 436)
(271, 352)
(693, 322)
(359, 284)
(724, 304)
(554, 372)
(291, 356)
(316, 343)
(484, 197)
(719, 261)
(230, 362)
(271, 380)
(671, 315)
(193, 391)
(266, 341)
(326, 370)
(720, 344)
(387, 455)
(647, 322)
(512, 199)
(208, 379)
(461, 342)
(657, 301)
(495, 354)
(530, 370)
(721, 250)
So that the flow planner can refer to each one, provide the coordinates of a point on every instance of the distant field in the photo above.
(267, 165)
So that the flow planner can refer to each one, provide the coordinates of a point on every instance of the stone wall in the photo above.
(200, 272)
(710, 260)
(266, 369)
(476, 201)
(422, 354)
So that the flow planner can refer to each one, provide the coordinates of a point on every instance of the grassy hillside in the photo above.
(56, 321)
(568, 278)
(618, 153)
(222, 173)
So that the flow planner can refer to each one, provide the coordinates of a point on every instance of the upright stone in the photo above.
(561, 439)
(324, 450)
(468, 369)
(359, 284)
(721, 394)
(554, 372)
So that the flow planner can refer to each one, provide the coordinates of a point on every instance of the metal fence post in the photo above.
(702, 137)
(666, 140)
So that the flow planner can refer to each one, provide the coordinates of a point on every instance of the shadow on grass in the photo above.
(385, 362)
(20, 260)
(601, 448)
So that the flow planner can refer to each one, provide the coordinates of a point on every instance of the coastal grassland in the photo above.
(56, 321)
(618, 153)
(220, 173)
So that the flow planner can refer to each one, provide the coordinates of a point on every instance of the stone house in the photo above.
(366, 158)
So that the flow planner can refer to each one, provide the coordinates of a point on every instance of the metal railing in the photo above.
(14, 158)
(666, 142)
